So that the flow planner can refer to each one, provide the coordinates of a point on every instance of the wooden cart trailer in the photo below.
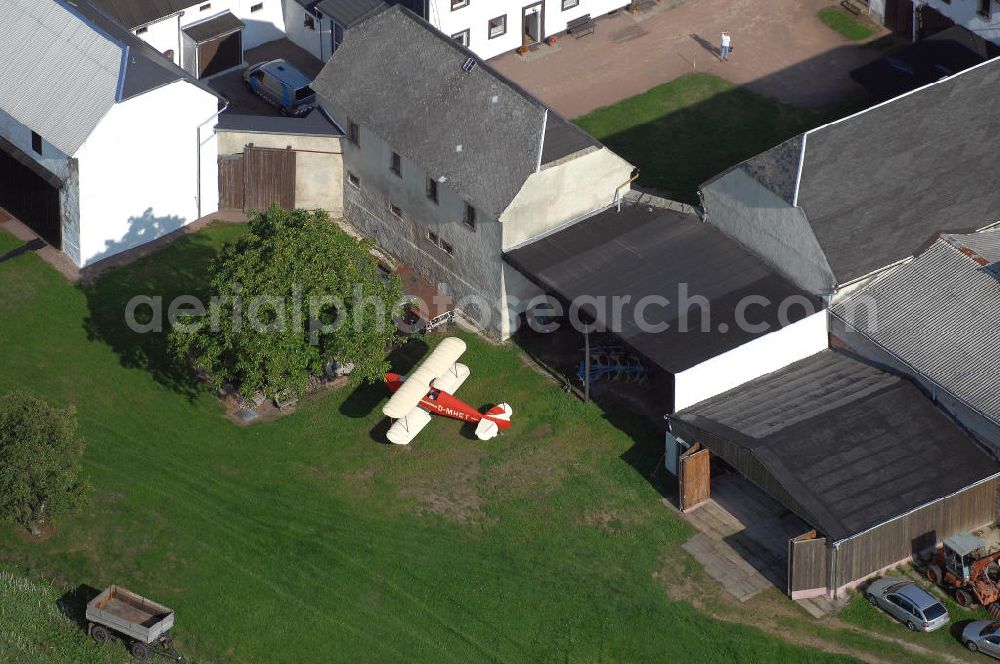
(141, 622)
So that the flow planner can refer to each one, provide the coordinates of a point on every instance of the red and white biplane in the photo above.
(430, 389)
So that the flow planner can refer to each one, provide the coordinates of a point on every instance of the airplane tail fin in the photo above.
(495, 419)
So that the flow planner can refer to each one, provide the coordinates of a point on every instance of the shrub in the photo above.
(40, 456)
(291, 295)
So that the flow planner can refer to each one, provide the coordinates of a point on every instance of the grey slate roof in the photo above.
(135, 13)
(400, 78)
(66, 65)
(941, 314)
(643, 251)
(217, 26)
(878, 185)
(854, 446)
(350, 12)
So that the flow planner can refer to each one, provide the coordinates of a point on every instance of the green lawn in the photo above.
(309, 540)
(846, 23)
(683, 133)
(859, 612)
(34, 629)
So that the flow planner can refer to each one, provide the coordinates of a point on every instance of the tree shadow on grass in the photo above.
(366, 396)
(180, 269)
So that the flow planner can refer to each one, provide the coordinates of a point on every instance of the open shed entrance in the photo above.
(31, 195)
(218, 44)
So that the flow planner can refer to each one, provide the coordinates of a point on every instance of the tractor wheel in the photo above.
(100, 633)
(139, 651)
(964, 599)
(934, 574)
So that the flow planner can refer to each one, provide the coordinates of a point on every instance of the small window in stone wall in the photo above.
(470, 216)
(354, 180)
(432, 237)
(396, 211)
(432, 190)
(36, 142)
(448, 249)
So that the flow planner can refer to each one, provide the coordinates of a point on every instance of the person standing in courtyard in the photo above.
(726, 47)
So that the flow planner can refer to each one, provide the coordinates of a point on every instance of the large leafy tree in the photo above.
(40, 455)
(291, 295)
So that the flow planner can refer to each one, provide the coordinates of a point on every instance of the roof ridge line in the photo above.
(944, 79)
(955, 243)
(448, 41)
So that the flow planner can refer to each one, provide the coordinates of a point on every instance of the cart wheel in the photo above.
(964, 599)
(139, 651)
(99, 633)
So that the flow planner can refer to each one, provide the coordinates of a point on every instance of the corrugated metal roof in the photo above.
(60, 74)
(940, 314)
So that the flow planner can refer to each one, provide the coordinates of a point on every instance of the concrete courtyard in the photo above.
(781, 50)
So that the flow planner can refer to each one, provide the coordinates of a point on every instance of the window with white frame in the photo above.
(462, 37)
(498, 26)
(569, 4)
(458, 4)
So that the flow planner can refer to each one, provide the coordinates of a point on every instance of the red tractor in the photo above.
(964, 565)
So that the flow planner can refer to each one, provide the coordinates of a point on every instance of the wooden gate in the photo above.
(231, 182)
(807, 556)
(693, 477)
(257, 179)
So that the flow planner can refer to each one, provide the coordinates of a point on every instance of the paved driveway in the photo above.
(781, 50)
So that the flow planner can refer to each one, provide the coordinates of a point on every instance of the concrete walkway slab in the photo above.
(782, 50)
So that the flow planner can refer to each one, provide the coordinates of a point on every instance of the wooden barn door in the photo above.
(693, 477)
(270, 178)
(232, 185)
(807, 565)
(257, 179)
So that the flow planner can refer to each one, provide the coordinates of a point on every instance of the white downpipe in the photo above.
(214, 116)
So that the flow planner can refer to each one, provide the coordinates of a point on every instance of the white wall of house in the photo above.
(563, 191)
(164, 36)
(315, 39)
(138, 170)
(966, 13)
(53, 159)
(264, 24)
(763, 355)
(476, 15)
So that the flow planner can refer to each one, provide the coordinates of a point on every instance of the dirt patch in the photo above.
(609, 522)
(456, 500)
(44, 532)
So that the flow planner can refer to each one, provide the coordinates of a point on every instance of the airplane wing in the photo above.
(418, 382)
(406, 428)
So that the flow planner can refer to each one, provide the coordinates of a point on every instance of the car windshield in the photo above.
(934, 611)
(304, 93)
(989, 629)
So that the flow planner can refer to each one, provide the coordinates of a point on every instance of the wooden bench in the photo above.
(851, 7)
(579, 27)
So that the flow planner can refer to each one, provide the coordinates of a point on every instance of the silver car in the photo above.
(982, 636)
(908, 603)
